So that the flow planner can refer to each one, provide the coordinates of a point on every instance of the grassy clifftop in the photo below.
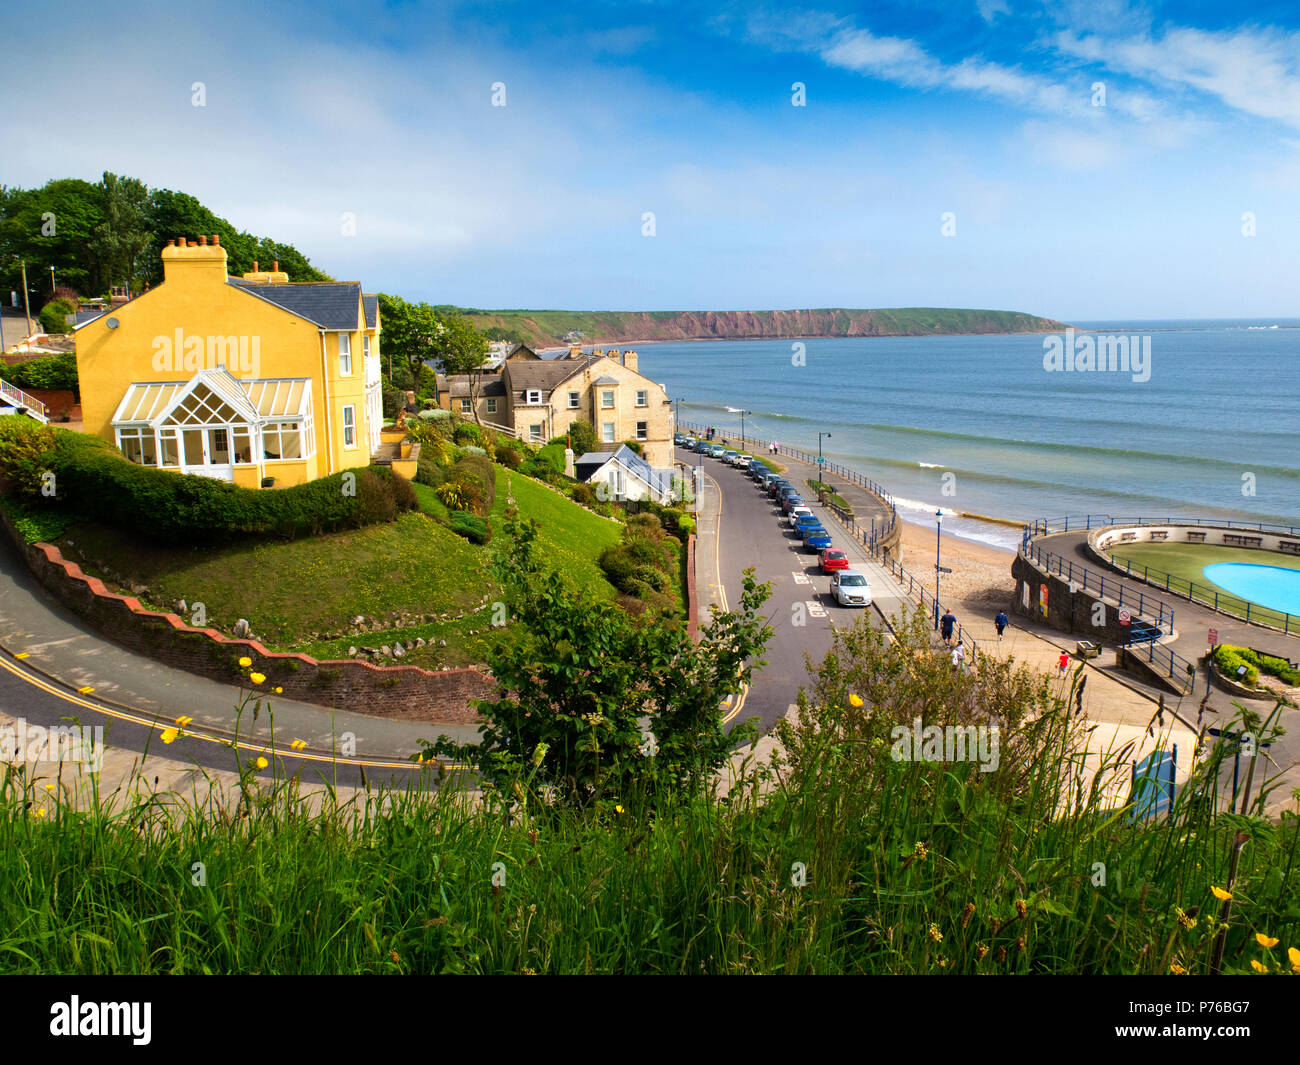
(546, 327)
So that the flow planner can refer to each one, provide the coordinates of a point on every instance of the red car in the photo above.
(833, 558)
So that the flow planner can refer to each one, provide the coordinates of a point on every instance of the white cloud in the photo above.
(991, 9)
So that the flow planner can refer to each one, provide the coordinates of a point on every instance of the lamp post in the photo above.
(742, 427)
(677, 417)
(820, 462)
(938, 541)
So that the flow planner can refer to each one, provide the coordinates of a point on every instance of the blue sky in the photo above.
(983, 109)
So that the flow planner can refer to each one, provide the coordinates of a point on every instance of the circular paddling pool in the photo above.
(1275, 587)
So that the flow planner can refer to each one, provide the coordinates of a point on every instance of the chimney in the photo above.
(254, 266)
(216, 239)
(275, 266)
(171, 243)
(194, 262)
(203, 241)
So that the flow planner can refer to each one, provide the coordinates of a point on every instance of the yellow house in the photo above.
(254, 380)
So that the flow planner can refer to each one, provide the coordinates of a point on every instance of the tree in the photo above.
(124, 234)
(581, 437)
(410, 334)
(462, 349)
(591, 702)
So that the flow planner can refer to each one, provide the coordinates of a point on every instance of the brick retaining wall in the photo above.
(401, 692)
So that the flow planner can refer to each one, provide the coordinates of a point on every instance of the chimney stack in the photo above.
(254, 266)
(275, 266)
(216, 239)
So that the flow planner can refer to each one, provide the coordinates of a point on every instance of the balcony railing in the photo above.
(16, 397)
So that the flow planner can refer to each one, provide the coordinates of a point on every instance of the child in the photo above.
(959, 656)
(1064, 663)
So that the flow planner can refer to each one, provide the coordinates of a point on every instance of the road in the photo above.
(740, 527)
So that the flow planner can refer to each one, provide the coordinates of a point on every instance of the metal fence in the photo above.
(1076, 522)
(1148, 606)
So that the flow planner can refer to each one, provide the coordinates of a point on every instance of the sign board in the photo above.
(1214, 637)
(1125, 617)
(821, 461)
(1042, 599)
(1153, 784)
(943, 569)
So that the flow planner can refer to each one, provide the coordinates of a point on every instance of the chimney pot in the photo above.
(203, 240)
(275, 265)
(254, 270)
(216, 239)
(171, 243)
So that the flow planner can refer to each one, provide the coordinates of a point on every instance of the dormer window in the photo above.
(533, 397)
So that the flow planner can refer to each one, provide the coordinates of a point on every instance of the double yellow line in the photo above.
(743, 694)
(75, 699)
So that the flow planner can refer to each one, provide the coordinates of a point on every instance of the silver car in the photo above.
(850, 588)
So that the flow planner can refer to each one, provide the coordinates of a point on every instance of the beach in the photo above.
(980, 583)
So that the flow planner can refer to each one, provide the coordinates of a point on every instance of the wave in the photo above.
(931, 465)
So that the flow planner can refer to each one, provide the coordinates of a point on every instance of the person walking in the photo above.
(959, 656)
(946, 624)
(1001, 621)
(776, 448)
(1063, 663)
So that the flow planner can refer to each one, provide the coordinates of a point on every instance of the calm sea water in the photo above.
(1222, 401)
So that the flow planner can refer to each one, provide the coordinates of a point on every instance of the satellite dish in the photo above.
(112, 323)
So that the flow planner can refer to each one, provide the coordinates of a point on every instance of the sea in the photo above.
(1205, 422)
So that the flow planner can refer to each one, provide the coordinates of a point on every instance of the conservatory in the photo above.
(214, 424)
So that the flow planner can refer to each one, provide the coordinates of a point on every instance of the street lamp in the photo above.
(742, 427)
(820, 461)
(677, 418)
(938, 526)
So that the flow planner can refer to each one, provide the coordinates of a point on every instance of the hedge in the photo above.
(94, 481)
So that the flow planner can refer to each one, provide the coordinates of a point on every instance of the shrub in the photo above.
(25, 447)
(468, 433)
(508, 457)
(95, 481)
(1229, 659)
(53, 316)
(471, 526)
(685, 525)
(472, 449)
(454, 495)
(49, 371)
(583, 493)
(394, 400)
(476, 470)
(581, 435)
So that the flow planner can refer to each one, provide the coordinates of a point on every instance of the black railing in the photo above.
(1206, 594)
(1115, 588)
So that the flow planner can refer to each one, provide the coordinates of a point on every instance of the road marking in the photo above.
(23, 654)
(85, 691)
(802, 578)
(40, 682)
(815, 609)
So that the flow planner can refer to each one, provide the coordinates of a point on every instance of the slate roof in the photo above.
(329, 304)
(371, 304)
(544, 374)
(457, 385)
(661, 481)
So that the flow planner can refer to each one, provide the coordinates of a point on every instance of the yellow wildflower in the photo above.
(257, 678)
(618, 809)
(1257, 966)
(1220, 894)
(169, 734)
(279, 691)
(1183, 919)
(262, 763)
(1293, 956)
(245, 662)
(855, 700)
(1177, 969)
(1265, 941)
(935, 934)
(981, 950)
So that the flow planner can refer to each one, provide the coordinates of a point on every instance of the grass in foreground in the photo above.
(1183, 565)
(843, 860)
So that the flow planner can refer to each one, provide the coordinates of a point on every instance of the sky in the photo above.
(1079, 160)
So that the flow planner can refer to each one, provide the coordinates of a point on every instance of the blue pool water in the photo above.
(1275, 587)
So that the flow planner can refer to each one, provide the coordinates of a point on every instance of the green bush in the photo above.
(468, 433)
(53, 316)
(478, 470)
(685, 525)
(1229, 660)
(95, 481)
(25, 447)
(394, 400)
(581, 435)
(644, 564)
(474, 449)
(583, 493)
(1265, 663)
(475, 529)
(509, 457)
(49, 371)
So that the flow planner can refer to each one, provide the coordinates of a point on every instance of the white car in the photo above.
(797, 512)
(850, 588)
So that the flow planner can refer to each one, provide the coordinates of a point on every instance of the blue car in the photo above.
(815, 537)
(804, 521)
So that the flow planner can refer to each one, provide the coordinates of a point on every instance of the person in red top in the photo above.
(1064, 663)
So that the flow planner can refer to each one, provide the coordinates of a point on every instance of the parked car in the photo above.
(834, 559)
(804, 521)
(774, 487)
(850, 588)
(768, 480)
(679, 439)
(715, 451)
(816, 537)
(789, 501)
(798, 512)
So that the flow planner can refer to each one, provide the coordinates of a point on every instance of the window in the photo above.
(284, 440)
(349, 426)
(535, 432)
(607, 398)
(607, 432)
(640, 398)
(365, 346)
(641, 433)
(138, 446)
(465, 407)
(533, 397)
(492, 405)
(574, 400)
(345, 355)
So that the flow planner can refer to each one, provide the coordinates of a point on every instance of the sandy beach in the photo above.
(980, 583)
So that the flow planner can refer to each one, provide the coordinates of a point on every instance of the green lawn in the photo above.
(302, 595)
(1184, 564)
